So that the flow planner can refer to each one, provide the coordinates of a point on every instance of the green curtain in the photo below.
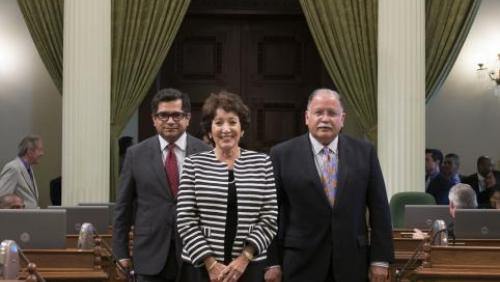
(44, 19)
(142, 33)
(345, 33)
(447, 25)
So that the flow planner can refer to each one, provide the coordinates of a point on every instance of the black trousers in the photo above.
(169, 272)
(253, 273)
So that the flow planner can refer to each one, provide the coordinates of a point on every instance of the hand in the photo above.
(273, 274)
(418, 234)
(234, 270)
(125, 265)
(378, 273)
(215, 272)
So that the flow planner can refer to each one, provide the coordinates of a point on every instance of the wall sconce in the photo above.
(494, 75)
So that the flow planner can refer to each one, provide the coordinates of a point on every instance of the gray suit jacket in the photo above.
(145, 201)
(15, 179)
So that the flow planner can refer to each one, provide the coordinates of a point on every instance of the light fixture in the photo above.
(494, 75)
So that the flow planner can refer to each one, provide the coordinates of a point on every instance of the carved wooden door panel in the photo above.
(271, 62)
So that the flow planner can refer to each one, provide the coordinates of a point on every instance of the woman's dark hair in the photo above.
(229, 102)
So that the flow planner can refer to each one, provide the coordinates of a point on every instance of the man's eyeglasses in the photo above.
(176, 116)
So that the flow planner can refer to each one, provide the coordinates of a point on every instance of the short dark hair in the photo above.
(27, 143)
(453, 157)
(229, 102)
(436, 155)
(482, 158)
(170, 94)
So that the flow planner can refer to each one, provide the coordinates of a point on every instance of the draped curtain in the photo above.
(448, 23)
(142, 33)
(44, 19)
(345, 33)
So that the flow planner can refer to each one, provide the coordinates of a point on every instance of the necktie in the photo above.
(329, 173)
(172, 170)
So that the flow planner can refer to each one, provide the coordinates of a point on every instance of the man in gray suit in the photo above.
(147, 191)
(17, 177)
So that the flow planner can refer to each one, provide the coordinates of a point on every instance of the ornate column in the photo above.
(401, 94)
(86, 101)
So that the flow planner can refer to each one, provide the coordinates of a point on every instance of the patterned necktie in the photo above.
(329, 173)
(172, 170)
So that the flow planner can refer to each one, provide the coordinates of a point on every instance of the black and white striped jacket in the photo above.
(202, 204)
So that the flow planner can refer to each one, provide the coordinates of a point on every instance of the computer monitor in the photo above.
(477, 224)
(423, 216)
(34, 229)
(77, 215)
(110, 205)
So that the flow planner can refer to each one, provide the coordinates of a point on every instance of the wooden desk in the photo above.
(459, 263)
(66, 264)
(405, 246)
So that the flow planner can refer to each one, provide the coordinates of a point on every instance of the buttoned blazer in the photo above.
(312, 235)
(145, 201)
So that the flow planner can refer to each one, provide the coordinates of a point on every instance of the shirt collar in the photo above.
(317, 147)
(26, 164)
(480, 177)
(180, 143)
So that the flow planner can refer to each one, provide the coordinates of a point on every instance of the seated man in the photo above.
(482, 181)
(440, 186)
(461, 196)
(11, 201)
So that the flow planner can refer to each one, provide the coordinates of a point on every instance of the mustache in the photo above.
(325, 125)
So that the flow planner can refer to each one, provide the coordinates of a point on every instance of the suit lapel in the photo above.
(190, 146)
(310, 169)
(27, 178)
(343, 167)
(157, 164)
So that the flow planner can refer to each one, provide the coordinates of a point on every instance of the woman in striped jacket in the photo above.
(226, 207)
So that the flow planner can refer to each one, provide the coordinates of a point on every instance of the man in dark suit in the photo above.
(326, 182)
(440, 186)
(479, 181)
(148, 188)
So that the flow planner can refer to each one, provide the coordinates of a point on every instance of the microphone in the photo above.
(439, 236)
(86, 241)
(86, 237)
(10, 263)
(9, 260)
(439, 233)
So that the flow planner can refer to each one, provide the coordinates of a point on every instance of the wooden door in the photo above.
(271, 61)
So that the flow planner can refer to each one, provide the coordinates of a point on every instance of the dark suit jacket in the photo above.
(483, 198)
(311, 234)
(143, 182)
(439, 188)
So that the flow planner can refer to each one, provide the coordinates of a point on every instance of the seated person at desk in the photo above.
(495, 198)
(11, 201)
(440, 186)
(461, 196)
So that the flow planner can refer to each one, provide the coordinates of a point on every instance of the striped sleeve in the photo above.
(195, 244)
(266, 226)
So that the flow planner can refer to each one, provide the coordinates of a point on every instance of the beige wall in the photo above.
(29, 101)
(464, 117)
